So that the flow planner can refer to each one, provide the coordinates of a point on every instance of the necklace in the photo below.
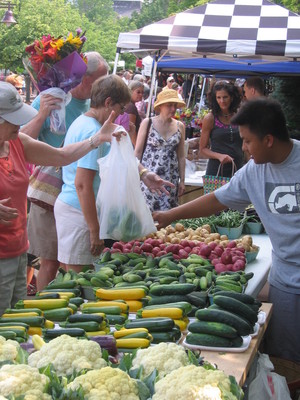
(227, 115)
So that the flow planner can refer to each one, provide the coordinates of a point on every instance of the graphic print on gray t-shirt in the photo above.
(283, 199)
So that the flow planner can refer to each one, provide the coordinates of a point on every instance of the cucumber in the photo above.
(236, 307)
(158, 324)
(197, 299)
(97, 282)
(244, 298)
(242, 327)
(229, 286)
(213, 328)
(53, 333)
(205, 339)
(85, 318)
(180, 288)
(157, 300)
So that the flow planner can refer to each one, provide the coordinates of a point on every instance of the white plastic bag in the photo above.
(58, 117)
(122, 210)
(268, 385)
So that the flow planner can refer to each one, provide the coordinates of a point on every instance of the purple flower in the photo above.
(83, 39)
(78, 31)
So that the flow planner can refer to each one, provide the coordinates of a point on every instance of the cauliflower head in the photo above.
(193, 383)
(107, 383)
(165, 357)
(68, 354)
(8, 349)
(21, 379)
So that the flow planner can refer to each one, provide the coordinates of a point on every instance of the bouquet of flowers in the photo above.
(56, 62)
(55, 66)
(186, 116)
(199, 117)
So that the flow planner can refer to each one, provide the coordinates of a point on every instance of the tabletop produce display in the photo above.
(140, 319)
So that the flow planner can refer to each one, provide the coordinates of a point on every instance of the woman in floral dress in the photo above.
(160, 148)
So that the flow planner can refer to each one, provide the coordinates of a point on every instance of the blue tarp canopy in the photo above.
(241, 67)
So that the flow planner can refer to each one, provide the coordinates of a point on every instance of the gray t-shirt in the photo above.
(274, 190)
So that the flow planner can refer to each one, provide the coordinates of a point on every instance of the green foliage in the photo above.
(287, 92)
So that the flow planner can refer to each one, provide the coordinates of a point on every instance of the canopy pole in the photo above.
(116, 60)
(192, 87)
(153, 79)
(202, 93)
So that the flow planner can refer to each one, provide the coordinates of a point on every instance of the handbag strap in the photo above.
(146, 138)
(220, 169)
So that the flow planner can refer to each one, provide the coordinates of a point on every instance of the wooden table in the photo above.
(238, 364)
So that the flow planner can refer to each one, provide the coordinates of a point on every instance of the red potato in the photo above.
(195, 250)
(185, 243)
(117, 245)
(127, 246)
(182, 253)
(213, 257)
(176, 257)
(137, 243)
(218, 250)
(155, 242)
(229, 267)
(220, 268)
(205, 251)
(137, 249)
(239, 265)
(187, 249)
(192, 244)
(231, 244)
(155, 251)
(106, 249)
(226, 257)
(161, 253)
(162, 246)
(147, 247)
(215, 261)
(116, 250)
(212, 245)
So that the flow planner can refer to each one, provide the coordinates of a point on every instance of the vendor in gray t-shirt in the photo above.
(271, 182)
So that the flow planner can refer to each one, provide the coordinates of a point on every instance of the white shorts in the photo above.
(73, 235)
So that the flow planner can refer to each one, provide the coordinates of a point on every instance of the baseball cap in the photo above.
(12, 107)
(170, 79)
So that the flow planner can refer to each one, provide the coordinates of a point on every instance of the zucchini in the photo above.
(170, 312)
(152, 324)
(18, 310)
(132, 343)
(115, 319)
(88, 326)
(71, 284)
(213, 328)
(18, 331)
(121, 293)
(53, 333)
(31, 321)
(57, 314)
(42, 304)
(85, 318)
(105, 303)
(242, 327)
(158, 337)
(113, 310)
(177, 289)
(124, 332)
(8, 334)
(183, 305)
(76, 291)
(158, 300)
(18, 324)
(204, 339)
(51, 295)
(236, 307)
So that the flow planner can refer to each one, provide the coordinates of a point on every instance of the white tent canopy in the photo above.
(221, 28)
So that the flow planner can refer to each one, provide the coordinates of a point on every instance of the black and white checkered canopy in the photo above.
(237, 28)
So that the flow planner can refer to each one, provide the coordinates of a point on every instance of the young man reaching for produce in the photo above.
(270, 181)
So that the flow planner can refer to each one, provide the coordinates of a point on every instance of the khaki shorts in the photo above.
(73, 235)
(13, 282)
(42, 233)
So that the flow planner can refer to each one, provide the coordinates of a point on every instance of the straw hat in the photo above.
(168, 96)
